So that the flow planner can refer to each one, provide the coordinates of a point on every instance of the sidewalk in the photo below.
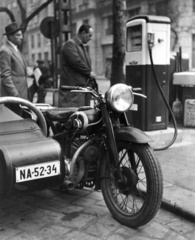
(178, 165)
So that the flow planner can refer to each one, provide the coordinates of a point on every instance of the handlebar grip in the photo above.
(64, 87)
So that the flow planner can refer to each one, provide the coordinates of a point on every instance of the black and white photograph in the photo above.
(97, 120)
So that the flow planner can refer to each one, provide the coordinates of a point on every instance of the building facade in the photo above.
(98, 13)
(39, 46)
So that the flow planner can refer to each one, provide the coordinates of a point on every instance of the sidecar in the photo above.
(28, 159)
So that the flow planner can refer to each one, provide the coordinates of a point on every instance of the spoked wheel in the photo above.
(135, 200)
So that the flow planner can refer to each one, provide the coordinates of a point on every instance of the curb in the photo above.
(167, 205)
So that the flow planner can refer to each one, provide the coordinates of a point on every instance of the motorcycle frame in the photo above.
(110, 140)
(116, 126)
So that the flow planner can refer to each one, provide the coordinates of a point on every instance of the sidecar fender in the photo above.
(132, 134)
(28, 160)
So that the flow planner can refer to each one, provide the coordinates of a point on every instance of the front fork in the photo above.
(111, 141)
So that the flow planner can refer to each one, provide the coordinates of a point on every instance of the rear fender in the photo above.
(132, 135)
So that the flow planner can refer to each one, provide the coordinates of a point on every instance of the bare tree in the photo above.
(24, 18)
(117, 73)
(10, 14)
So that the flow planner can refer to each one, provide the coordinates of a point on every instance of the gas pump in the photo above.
(145, 34)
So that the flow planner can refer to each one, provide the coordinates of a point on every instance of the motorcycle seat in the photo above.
(60, 114)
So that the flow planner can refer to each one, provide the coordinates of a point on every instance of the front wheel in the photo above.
(135, 200)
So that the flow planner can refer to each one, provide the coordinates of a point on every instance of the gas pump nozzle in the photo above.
(150, 40)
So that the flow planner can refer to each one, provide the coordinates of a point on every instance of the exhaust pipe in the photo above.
(68, 185)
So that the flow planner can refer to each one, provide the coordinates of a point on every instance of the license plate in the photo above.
(36, 171)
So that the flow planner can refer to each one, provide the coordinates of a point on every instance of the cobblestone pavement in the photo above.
(82, 214)
(79, 215)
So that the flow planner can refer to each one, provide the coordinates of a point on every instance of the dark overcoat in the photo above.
(76, 68)
(13, 72)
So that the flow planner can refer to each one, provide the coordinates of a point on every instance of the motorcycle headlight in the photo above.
(120, 97)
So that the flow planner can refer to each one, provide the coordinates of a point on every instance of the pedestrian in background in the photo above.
(41, 80)
(13, 67)
(76, 68)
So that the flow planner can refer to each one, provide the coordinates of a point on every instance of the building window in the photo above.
(39, 56)
(161, 8)
(193, 6)
(109, 29)
(193, 50)
(133, 12)
(38, 40)
(74, 27)
(86, 21)
(108, 65)
(46, 56)
(103, 3)
(32, 41)
(83, 6)
(33, 58)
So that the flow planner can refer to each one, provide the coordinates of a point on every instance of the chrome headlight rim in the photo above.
(120, 97)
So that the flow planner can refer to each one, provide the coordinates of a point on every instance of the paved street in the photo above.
(79, 215)
(178, 160)
(82, 214)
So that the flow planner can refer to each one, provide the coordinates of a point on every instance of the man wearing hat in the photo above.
(13, 67)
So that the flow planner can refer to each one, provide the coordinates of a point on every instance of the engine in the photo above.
(84, 121)
(86, 165)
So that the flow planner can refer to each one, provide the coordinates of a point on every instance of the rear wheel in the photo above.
(134, 201)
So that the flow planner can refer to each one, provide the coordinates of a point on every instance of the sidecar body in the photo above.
(28, 159)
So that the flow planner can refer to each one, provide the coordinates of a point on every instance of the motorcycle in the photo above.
(88, 147)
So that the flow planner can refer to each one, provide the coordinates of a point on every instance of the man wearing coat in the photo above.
(76, 68)
(13, 67)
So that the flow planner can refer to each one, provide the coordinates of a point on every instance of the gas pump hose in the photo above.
(166, 103)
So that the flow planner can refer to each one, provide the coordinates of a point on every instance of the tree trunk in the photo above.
(117, 73)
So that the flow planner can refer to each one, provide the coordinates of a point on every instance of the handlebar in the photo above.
(93, 84)
(64, 87)
(77, 89)
(94, 93)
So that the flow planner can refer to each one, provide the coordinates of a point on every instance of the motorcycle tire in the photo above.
(135, 202)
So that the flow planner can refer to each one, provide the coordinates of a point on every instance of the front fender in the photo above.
(128, 133)
(131, 134)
